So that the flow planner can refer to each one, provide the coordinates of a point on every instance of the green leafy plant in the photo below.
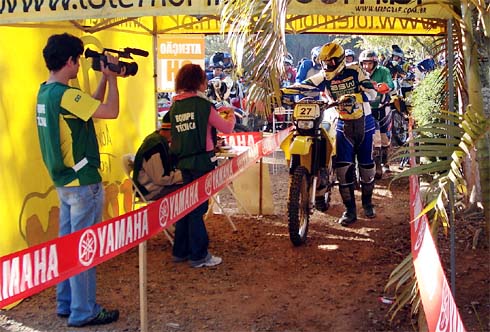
(428, 98)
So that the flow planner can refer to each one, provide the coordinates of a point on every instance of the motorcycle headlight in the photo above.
(305, 124)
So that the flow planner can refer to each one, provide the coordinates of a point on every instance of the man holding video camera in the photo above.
(71, 154)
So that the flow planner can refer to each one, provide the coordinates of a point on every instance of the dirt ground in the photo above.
(333, 283)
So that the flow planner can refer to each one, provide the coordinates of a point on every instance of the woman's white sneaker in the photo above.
(210, 261)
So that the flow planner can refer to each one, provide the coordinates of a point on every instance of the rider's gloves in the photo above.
(348, 99)
(347, 103)
(383, 88)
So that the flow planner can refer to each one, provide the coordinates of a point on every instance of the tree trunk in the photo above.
(474, 79)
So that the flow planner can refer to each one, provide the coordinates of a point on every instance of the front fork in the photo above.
(309, 159)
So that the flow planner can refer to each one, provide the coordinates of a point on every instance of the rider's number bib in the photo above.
(306, 111)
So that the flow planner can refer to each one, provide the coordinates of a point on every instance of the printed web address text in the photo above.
(391, 9)
(26, 6)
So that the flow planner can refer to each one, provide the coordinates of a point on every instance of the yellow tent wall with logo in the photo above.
(28, 202)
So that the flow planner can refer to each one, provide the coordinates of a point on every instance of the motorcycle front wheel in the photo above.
(399, 128)
(299, 206)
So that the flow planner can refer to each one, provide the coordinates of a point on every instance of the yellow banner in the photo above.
(174, 51)
(13, 11)
(316, 24)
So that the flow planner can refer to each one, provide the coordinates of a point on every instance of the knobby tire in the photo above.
(299, 206)
(399, 133)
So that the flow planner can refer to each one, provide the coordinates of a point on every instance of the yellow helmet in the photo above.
(332, 58)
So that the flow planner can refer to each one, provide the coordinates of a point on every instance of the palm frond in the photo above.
(257, 39)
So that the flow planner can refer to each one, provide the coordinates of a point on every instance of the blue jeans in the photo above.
(80, 207)
(191, 237)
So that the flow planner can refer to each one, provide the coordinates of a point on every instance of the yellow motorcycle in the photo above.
(309, 149)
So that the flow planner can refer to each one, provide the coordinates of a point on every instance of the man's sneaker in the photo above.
(210, 261)
(386, 168)
(104, 317)
(369, 211)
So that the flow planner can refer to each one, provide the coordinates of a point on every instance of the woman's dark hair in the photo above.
(60, 48)
(189, 78)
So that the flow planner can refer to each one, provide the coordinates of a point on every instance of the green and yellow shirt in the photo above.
(67, 134)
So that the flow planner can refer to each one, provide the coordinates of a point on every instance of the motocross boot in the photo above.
(321, 203)
(384, 159)
(366, 197)
(377, 161)
(350, 215)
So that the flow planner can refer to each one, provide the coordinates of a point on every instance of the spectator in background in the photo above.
(154, 171)
(194, 123)
(289, 72)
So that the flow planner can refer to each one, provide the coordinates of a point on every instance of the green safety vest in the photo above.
(189, 118)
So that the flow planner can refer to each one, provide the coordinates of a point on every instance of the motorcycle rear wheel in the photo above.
(299, 206)
(399, 129)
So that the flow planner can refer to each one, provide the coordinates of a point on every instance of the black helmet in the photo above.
(396, 50)
(217, 60)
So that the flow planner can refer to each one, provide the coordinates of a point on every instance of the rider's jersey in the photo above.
(381, 74)
(396, 69)
(351, 81)
(306, 70)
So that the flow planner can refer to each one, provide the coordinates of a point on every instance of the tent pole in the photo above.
(142, 247)
(155, 66)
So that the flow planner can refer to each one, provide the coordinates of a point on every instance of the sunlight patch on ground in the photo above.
(354, 237)
(8, 325)
(384, 192)
(278, 234)
(353, 234)
(328, 247)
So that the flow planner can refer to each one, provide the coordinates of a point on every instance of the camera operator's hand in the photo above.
(112, 61)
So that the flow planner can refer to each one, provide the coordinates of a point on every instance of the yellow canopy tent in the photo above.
(28, 203)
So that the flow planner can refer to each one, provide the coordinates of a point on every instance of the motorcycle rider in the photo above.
(352, 89)
(350, 57)
(309, 67)
(380, 107)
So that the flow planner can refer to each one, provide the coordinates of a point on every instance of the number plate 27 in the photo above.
(306, 111)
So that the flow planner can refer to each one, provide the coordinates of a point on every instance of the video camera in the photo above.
(131, 67)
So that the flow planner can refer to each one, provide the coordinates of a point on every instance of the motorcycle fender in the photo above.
(330, 136)
(285, 146)
(300, 145)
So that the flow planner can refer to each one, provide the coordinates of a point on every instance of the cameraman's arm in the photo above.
(99, 93)
(110, 108)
